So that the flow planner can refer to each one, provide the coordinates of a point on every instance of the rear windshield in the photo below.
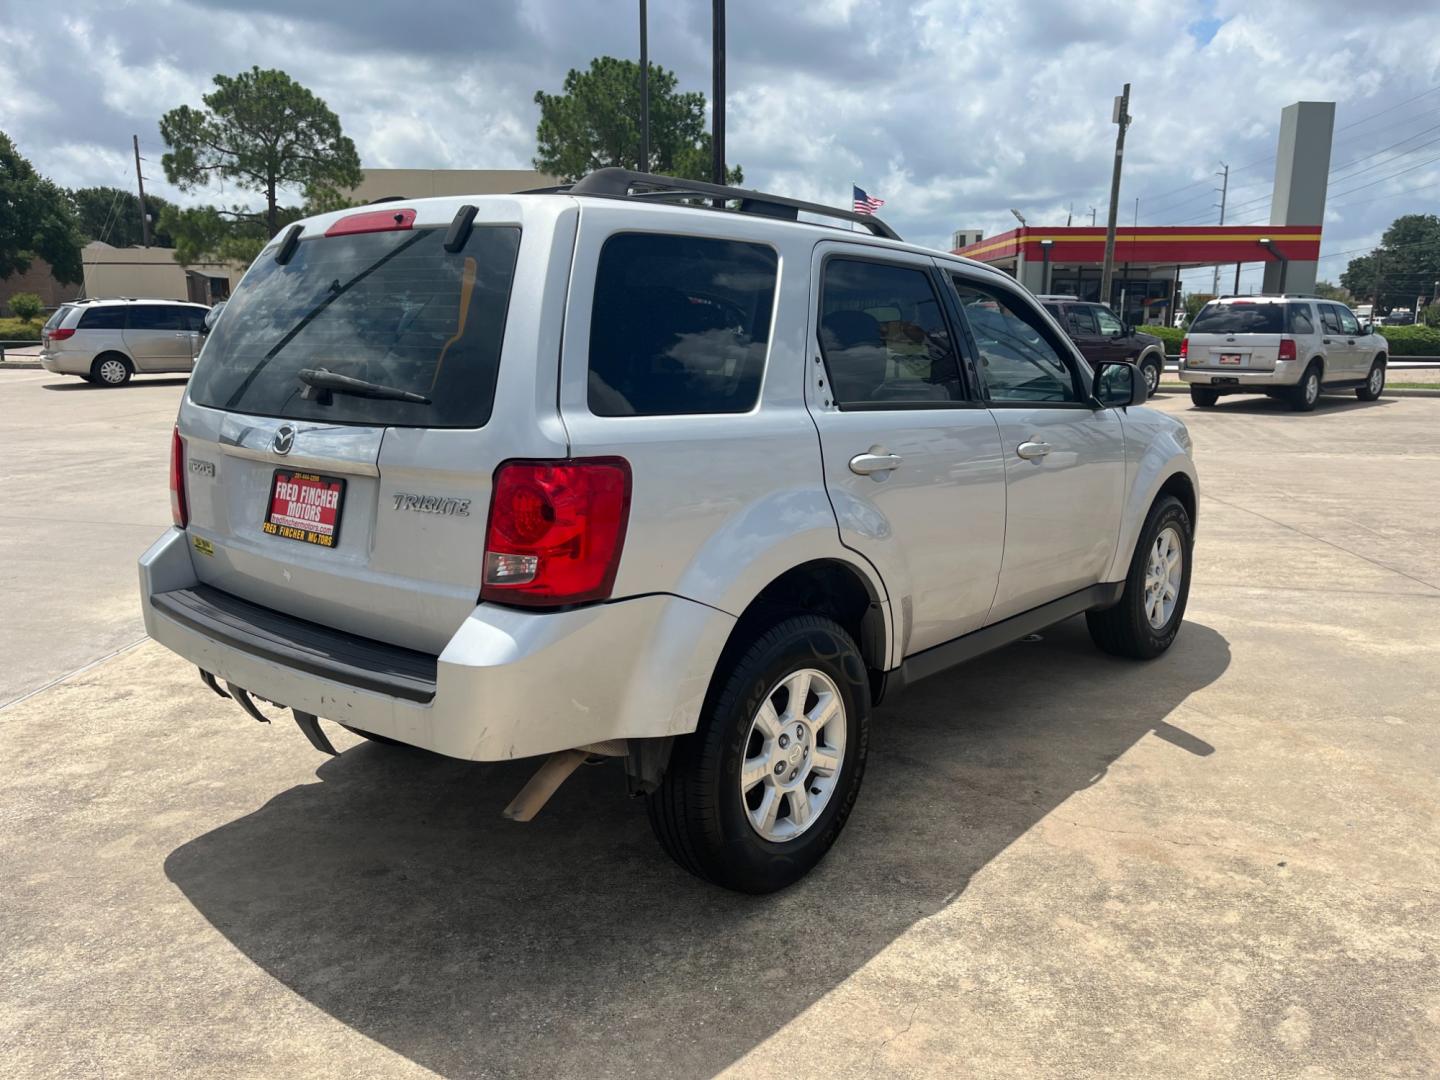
(59, 316)
(391, 308)
(1240, 319)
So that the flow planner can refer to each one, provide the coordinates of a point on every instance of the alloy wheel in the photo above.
(1377, 380)
(1163, 575)
(112, 372)
(794, 752)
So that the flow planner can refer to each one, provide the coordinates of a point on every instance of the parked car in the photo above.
(105, 342)
(1103, 335)
(1286, 346)
(713, 488)
(1399, 317)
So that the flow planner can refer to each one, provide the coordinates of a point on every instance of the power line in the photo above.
(1372, 183)
(1392, 108)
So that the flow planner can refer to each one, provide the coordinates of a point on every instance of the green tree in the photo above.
(263, 132)
(113, 215)
(594, 123)
(1194, 302)
(212, 234)
(36, 220)
(1330, 291)
(1404, 266)
(26, 305)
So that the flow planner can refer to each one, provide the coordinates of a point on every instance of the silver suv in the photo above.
(105, 342)
(585, 473)
(1288, 346)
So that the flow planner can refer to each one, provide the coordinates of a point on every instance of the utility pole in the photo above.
(140, 183)
(717, 93)
(1092, 217)
(1120, 116)
(1069, 215)
(1224, 190)
(1135, 221)
(644, 91)
(1379, 276)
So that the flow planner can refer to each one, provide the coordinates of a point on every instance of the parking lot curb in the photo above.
(20, 365)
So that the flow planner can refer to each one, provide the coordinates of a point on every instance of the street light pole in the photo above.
(1224, 190)
(140, 183)
(644, 91)
(717, 92)
(1121, 118)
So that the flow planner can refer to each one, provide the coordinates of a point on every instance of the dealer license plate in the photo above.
(1230, 358)
(305, 507)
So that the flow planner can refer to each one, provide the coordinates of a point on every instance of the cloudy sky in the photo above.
(951, 110)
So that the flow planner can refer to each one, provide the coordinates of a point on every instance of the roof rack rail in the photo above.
(1271, 296)
(627, 183)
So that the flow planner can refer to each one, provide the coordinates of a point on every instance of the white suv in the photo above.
(107, 341)
(584, 473)
(1288, 346)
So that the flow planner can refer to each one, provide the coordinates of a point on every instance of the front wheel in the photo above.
(1374, 383)
(1147, 618)
(758, 794)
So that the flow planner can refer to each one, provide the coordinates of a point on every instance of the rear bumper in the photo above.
(1285, 373)
(65, 363)
(509, 683)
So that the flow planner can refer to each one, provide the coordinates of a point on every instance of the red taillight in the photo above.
(60, 335)
(373, 221)
(1184, 349)
(1287, 349)
(556, 530)
(179, 508)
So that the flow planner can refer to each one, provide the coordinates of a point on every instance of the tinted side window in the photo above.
(1109, 324)
(884, 336)
(1300, 321)
(1330, 318)
(1020, 364)
(103, 318)
(680, 325)
(155, 317)
(191, 318)
(1082, 320)
(1348, 322)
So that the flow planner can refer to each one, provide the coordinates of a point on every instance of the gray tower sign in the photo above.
(1302, 163)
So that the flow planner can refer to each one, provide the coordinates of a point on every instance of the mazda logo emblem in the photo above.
(284, 439)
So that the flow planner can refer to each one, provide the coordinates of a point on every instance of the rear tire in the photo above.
(1307, 393)
(1147, 618)
(111, 369)
(1203, 399)
(1151, 368)
(1374, 382)
(727, 809)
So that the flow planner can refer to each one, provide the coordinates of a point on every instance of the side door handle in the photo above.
(1325, 341)
(876, 460)
(1032, 450)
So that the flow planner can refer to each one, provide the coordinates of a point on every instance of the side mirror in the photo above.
(1118, 384)
(1367, 328)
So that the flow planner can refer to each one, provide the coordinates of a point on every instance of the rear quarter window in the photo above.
(391, 308)
(103, 318)
(680, 325)
(1241, 318)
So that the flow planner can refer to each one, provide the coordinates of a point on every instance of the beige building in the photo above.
(425, 183)
(154, 273)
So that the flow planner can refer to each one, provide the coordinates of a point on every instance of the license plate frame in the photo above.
(324, 531)
(1231, 359)
(1224, 380)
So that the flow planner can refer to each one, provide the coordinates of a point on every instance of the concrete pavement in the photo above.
(1222, 863)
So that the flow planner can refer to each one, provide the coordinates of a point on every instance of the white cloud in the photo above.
(952, 110)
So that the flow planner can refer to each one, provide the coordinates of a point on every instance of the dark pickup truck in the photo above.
(1100, 334)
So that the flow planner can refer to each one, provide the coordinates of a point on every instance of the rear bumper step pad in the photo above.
(300, 644)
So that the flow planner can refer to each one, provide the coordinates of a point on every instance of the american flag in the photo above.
(866, 204)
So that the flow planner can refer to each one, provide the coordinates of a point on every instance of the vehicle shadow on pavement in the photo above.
(139, 381)
(393, 896)
(1254, 404)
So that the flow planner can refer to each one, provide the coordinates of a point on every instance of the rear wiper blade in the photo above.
(320, 383)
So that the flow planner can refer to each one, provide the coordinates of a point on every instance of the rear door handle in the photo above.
(1032, 450)
(1325, 340)
(876, 460)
